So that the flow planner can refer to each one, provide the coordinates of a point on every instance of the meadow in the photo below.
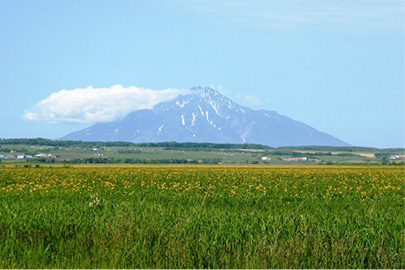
(202, 217)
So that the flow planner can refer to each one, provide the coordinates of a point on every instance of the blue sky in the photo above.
(337, 66)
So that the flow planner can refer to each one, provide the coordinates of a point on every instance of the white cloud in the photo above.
(90, 105)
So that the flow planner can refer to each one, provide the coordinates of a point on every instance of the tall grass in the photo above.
(202, 217)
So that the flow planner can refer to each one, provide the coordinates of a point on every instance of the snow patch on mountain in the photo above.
(160, 129)
(194, 114)
(206, 116)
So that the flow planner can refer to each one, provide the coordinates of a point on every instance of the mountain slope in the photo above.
(206, 116)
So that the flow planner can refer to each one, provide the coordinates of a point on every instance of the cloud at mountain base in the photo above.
(90, 105)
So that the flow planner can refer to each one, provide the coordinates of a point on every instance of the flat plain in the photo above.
(202, 216)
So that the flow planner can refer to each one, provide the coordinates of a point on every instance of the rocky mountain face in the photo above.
(206, 116)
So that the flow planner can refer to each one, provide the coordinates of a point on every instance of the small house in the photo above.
(396, 157)
(297, 159)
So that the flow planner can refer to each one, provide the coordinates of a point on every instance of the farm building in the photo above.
(297, 159)
(394, 157)
(42, 155)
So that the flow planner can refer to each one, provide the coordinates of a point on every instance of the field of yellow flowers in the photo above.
(202, 217)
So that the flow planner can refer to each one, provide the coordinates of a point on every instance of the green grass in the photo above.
(78, 152)
(202, 217)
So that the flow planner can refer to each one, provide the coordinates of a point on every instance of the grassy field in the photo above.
(70, 152)
(202, 217)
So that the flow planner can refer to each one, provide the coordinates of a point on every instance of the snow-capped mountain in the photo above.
(206, 116)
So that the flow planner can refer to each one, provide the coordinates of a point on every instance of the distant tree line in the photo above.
(189, 145)
(120, 151)
(125, 161)
(342, 149)
(199, 146)
(308, 154)
(56, 143)
(214, 149)
(85, 144)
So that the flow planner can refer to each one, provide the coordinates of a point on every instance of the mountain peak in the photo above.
(209, 94)
(199, 88)
(206, 116)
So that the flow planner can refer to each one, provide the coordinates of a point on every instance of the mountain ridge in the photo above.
(206, 116)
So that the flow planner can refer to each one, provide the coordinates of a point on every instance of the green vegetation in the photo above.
(73, 152)
(202, 217)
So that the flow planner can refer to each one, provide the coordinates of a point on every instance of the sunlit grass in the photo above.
(202, 217)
